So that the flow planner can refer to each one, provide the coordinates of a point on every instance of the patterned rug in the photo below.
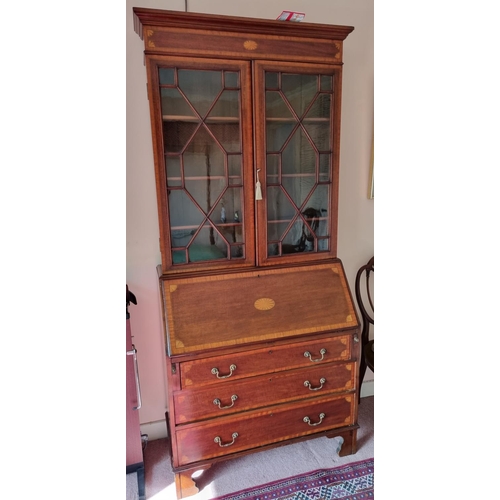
(353, 481)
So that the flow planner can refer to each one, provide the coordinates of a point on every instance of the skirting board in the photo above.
(367, 388)
(158, 430)
(155, 430)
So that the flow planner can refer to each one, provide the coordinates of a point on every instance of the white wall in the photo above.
(356, 211)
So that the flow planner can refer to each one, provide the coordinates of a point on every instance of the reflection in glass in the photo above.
(173, 167)
(234, 169)
(299, 90)
(200, 87)
(231, 79)
(166, 76)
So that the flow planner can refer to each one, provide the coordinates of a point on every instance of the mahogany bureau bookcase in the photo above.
(261, 333)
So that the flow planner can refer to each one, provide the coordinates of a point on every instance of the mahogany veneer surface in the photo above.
(224, 310)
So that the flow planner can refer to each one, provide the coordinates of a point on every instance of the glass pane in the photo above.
(298, 162)
(231, 79)
(179, 256)
(324, 167)
(310, 227)
(237, 251)
(320, 107)
(273, 249)
(234, 169)
(295, 240)
(227, 105)
(279, 209)
(277, 134)
(207, 245)
(323, 244)
(185, 217)
(167, 76)
(200, 87)
(173, 104)
(326, 82)
(203, 160)
(299, 90)
(298, 188)
(272, 81)
(299, 168)
(317, 207)
(176, 135)
(223, 120)
(228, 209)
(320, 134)
(276, 230)
(173, 168)
(231, 233)
(272, 169)
(276, 106)
(299, 157)
(203, 156)
(228, 134)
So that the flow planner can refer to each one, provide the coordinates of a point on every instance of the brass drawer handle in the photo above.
(307, 420)
(218, 440)
(215, 371)
(307, 354)
(234, 397)
(322, 380)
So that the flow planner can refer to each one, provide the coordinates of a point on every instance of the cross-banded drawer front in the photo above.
(264, 390)
(268, 360)
(227, 435)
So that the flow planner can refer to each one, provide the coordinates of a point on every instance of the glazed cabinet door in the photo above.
(202, 136)
(297, 116)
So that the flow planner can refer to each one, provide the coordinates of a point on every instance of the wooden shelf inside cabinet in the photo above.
(195, 119)
(304, 120)
(202, 178)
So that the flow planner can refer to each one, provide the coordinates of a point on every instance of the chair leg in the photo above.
(362, 371)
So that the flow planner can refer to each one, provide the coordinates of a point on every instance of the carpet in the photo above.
(353, 481)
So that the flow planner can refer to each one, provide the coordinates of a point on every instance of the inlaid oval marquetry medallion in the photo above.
(250, 45)
(264, 304)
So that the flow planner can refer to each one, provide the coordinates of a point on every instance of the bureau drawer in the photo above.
(227, 435)
(268, 360)
(211, 401)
